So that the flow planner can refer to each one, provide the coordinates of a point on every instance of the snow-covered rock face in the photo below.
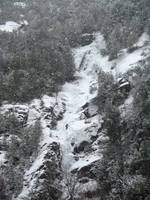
(45, 174)
(47, 166)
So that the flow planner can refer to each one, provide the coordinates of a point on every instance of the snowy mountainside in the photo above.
(75, 141)
(76, 126)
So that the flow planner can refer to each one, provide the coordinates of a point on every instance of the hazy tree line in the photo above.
(34, 61)
(125, 21)
(121, 22)
(38, 58)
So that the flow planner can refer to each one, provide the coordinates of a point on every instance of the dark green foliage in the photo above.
(37, 59)
(29, 142)
(126, 155)
(124, 22)
(121, 22)
(2, 190)
(31, 138)
(105, 89)
(108, 91)
(139, 123)
(9, 124)
(38, 63)
(21, 153)
(112, 122)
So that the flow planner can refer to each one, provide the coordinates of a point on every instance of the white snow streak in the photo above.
(9, 26)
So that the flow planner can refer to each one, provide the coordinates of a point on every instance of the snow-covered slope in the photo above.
(126, 60)
(74, 128)
(77, 132)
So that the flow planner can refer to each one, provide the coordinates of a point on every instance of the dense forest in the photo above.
(38, 59)
(54, 27)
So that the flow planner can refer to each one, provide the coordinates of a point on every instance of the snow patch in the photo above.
(20, 4)
(128, 61)
(143, 40)
(2, 157)
(85, 161)
(9, 26)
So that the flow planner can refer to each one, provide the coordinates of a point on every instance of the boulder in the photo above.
(124, 85)
(94, 138)
(85, 106)
(89, 110)
(87, 39)
(84, 180)
(81, 147)
(86, 171)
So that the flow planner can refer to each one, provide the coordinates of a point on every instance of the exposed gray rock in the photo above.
(89, 111)
(81, 147)
(86, 39)
(86, 171)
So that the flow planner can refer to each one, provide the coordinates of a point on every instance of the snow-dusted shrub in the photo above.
(105, 89)
(9, 124)
(125, 164)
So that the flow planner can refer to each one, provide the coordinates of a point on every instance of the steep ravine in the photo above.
(71, 141)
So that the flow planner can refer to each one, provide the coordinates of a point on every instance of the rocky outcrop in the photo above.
(82, 147)
(42, 181)
(20, 111)
(86, 39)
(42, 171)
(89, 110)
(49, 175)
